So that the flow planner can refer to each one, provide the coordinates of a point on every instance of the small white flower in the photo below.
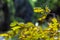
(36, 24)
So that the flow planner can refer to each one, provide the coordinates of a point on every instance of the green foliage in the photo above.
(29, 31)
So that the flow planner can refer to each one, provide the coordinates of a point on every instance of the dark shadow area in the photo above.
(4, 25)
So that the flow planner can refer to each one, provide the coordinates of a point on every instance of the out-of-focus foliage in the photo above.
(32, 2)
(40, 13)
(51, 4)
(11, 8)
(28, 31)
